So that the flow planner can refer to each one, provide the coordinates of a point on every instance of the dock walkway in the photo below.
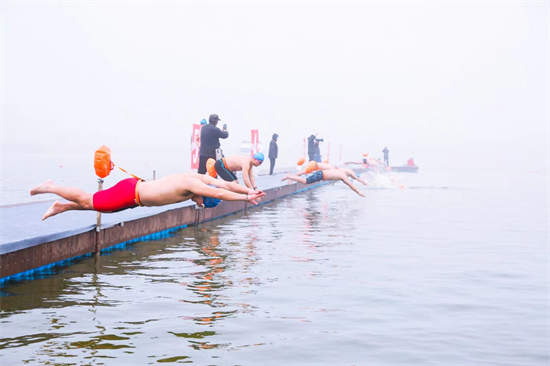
(28, 243)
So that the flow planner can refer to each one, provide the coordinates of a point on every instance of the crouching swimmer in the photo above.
(320, 175)
(227, 166)
(133, 192)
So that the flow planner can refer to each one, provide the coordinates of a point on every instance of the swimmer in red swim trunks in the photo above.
(133, 192)
(319, 175)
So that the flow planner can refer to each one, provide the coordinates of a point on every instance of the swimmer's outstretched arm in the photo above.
(248, 175)
(222, 194)
(354, 188)
(231, 186)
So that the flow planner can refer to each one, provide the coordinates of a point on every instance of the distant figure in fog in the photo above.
(273, 152)
(386, 156)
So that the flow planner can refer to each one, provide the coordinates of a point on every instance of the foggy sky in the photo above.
(447, 83)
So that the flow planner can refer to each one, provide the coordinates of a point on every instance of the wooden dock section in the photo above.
(28, 244)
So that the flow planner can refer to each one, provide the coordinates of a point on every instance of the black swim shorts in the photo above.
(315, 177)
(223, 172)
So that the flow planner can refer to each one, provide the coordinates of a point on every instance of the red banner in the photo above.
(255, 136)
(195, 146)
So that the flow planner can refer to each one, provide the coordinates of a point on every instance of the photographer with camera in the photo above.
(210, 142)
(313, 149)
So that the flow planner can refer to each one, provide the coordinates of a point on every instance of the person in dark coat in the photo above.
(273, 152)
(386, 155)
(312, 147)
(210, 141)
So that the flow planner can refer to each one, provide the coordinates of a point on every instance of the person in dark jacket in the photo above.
(312, 147)
(386, 155)
(273, 152)
(210, 141)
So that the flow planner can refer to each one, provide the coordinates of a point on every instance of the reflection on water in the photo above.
(323, 277)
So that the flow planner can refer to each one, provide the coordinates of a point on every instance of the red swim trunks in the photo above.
(121, 196)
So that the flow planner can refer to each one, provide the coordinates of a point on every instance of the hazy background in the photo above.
(448, 83)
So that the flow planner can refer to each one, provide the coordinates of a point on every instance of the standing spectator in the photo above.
(386, 155)
(210, 141)
(273, 152)
(317, 155)
(312, 147)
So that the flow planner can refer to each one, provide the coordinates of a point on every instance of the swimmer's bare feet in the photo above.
(285, 177)
(42, 188)
(52, 211)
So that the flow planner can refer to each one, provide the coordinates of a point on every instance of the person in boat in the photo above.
(227, 166)
(320, 175)
(133, 192)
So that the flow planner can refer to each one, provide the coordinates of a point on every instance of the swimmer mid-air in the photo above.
(319, 175)
(133, 192)
(326, 166)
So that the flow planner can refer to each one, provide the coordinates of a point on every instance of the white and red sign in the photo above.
(195, 146)
(255, 137)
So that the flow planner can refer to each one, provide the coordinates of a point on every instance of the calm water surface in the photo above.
(422, 275)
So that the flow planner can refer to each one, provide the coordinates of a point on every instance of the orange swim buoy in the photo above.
(210, 168)
(102, 162)
(301, 160)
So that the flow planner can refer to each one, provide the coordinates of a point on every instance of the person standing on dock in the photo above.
(273, 152)
(386, 155)
(210, 142)
(312, 147)
(227, 166)
(134, 192)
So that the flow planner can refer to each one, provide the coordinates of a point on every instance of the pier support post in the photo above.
(97, 250)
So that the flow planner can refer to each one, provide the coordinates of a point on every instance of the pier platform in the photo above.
(27, 243)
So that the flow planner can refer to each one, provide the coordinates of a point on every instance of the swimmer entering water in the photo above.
(133, 192)
(325, 166)
(226, 167)
(319, 175)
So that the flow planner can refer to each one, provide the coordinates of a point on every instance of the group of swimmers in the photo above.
(204, 189)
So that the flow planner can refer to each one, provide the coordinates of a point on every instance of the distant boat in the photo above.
(410, 167)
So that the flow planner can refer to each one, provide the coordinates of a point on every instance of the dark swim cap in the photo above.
(210, 201)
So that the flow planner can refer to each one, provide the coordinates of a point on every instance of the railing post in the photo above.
(98, 223)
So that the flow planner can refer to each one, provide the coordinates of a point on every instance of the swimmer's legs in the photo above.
(294, 178)
(59, 207)
(76, 195)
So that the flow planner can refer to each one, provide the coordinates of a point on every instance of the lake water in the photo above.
(452, 269)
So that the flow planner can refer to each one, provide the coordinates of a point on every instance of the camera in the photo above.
(320, 140)
(225, 126)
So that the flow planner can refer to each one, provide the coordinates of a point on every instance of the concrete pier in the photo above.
(27, 243)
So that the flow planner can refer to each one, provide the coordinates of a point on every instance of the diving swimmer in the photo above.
(226, 167)
(325, 166)
(319, 175)
(133, 192)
